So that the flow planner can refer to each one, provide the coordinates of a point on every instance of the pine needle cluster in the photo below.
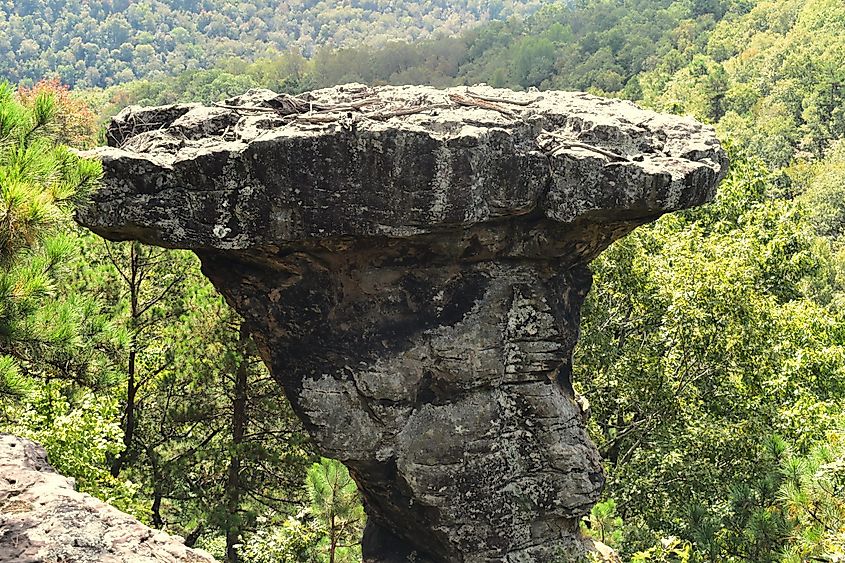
(43, 333)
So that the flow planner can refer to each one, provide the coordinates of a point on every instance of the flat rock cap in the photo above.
(353, 162)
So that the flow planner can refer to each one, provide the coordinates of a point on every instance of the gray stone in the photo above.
(412, 263)
(44, 520)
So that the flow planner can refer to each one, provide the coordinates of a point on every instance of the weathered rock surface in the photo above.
(412, 262)
(44, 520)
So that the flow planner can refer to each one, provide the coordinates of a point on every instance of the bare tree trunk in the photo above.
(158, 521)
(239, 422)
(194, 535)
(134, 282)
(333, 539)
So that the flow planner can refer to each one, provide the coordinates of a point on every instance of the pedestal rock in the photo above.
(412, 262)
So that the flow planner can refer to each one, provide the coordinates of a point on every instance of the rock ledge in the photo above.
(44, 520)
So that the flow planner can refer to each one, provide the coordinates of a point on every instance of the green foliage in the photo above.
(44, 333)
(335, 503)
(78, 316)
(772, 78)
(79, 431)
(597, 45)
(38, 176)
(795, 513)
(184, 369)
(823, 193)
(326, 530)
(604, 524)
(293, 540)
(104, 43)
(813, 494)
(668, 550)
(702, 335)
(192, 439)
(56, 346)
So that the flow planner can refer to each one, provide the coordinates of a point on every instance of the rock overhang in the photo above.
(393, 162)
(411, 263)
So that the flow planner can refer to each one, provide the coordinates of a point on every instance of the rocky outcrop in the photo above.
(44, 520)
(412, 263)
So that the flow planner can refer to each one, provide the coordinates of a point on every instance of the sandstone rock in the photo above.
(412, 263)
(44, 520)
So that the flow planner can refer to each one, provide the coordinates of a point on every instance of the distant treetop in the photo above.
(114, 41)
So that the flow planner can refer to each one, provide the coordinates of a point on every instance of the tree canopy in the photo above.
(103, 43)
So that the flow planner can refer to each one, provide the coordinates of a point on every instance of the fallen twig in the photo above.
(503, 100)
(295, 106)
(398, 112)
(246, 108)
(478, 103)
(556, 142)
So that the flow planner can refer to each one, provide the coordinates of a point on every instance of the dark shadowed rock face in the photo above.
(412, 262)
(44, 520)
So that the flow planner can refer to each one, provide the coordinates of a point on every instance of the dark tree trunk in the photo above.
(333, 546)
(158, 485)
(193, 536)
(133, 279)
(239, 422)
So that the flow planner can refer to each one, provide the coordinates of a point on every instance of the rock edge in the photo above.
(44, 520)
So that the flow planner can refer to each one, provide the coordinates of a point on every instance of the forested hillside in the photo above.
(713, 343)
(773, 80)
(601, 45)
(103, 43)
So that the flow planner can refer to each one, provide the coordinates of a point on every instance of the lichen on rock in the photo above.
(412, 263)
(43, 519)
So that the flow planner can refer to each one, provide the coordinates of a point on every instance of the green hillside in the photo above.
(103, 43)
(601, 44)
(773, 79)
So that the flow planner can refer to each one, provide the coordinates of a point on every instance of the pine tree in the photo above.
(41, 336)
(813, 493)
(336, 505)
(57, 347)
